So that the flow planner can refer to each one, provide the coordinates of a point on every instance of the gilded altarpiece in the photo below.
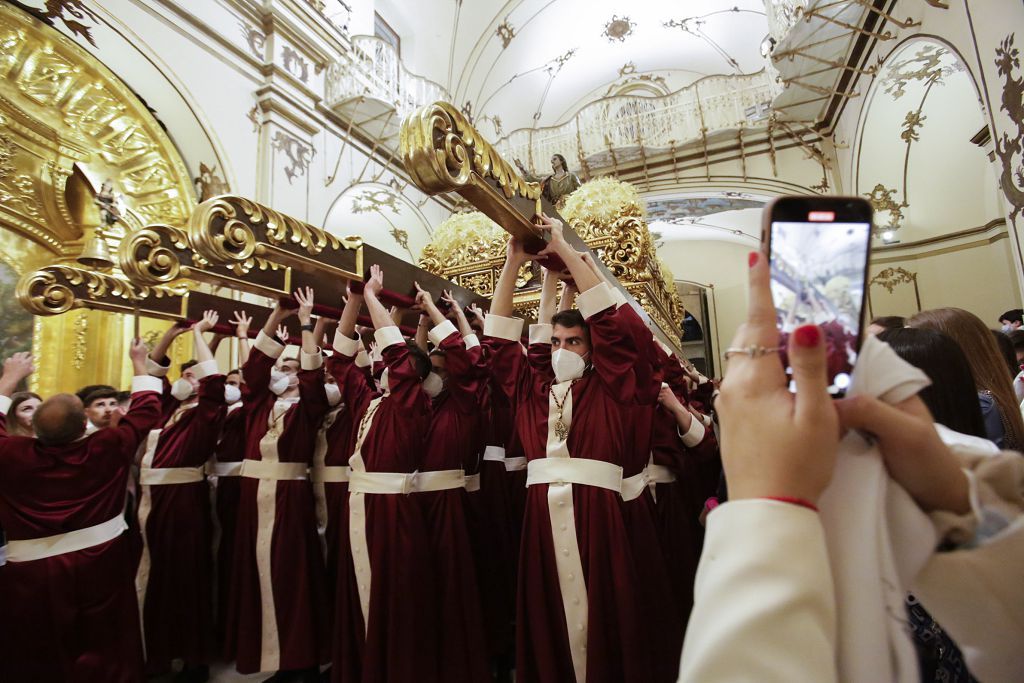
(66, 125)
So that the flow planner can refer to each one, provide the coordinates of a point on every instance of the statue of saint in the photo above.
(108, 202)
(557, 186)
(209, 183)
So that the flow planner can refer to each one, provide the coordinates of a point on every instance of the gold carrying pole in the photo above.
(60, 288)
(443, 152)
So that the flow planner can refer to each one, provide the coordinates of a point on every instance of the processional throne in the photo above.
(237, 254)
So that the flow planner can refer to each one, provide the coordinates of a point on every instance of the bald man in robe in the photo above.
(69, 606)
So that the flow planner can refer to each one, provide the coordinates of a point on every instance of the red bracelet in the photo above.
(794, 501)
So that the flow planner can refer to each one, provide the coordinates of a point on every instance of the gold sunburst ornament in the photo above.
(618, 29)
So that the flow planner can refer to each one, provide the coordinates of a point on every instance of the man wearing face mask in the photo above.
(451, 458)
(276, 608)
(174, 577)
(225, 471)
(385, 626)
(578, 601)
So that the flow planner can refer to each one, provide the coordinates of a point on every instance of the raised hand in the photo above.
(375, 284)
(137, 353)
(208, 322)
(396, 314)
(554, 227)
(241, 321)
(282, 333)
(19, 366)
(477, 311)
(515, 253)
(304, 296)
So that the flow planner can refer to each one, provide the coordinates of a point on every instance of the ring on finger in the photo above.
(752, 351)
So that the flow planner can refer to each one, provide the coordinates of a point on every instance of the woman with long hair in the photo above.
(23, 407)
(951, 398)
(1003, 422)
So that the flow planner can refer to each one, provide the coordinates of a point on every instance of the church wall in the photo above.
(984, 276)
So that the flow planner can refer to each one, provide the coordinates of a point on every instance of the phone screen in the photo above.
(818, 273)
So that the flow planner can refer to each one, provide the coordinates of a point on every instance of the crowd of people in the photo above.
(469, 501)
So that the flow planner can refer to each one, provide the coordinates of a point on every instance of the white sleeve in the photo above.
(764, 603)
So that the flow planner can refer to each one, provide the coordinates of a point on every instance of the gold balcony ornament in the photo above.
(57, 289)
(443, 152)
(96, 253)
(230, 230)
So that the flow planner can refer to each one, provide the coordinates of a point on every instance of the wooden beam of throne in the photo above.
(232, 247)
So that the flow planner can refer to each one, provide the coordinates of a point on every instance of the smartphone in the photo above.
(819, 249)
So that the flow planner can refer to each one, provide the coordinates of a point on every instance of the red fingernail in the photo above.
(753, 258)
(807, 336)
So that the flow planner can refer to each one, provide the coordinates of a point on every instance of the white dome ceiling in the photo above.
(536, 62)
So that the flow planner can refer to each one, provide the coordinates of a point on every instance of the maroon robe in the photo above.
(499, 506)
(453, 443)
(73, 616)
(227, 492)
(398, 641)
(610, 622)
(338, 436)
(174, 578)
(678, 503)
(277, 615)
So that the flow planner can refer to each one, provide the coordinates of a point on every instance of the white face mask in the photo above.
(333, 394)
(182, 389)
(567, 365)
(433, 384)
(281, 382)
(232, 394)
(1007, 328)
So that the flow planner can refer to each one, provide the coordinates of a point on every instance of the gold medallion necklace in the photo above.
(561, 429)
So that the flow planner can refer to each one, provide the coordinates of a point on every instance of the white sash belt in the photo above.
(494, 453)
(405, 482)
(330, 474)
(472, 482)
(59, 544)
(160, 476)
(515, 464)
(280, 471)
(598, 473)
(225, 469)
(497, 454)
(660, 474)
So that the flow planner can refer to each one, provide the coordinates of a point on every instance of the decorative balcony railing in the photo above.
(374, 70)
(615, 129)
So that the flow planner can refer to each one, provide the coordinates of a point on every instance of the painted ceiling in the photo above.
(518, 63)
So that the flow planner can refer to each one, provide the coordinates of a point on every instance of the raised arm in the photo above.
(204, 352)
(310, 343)
(144, 412)
(378, 313)
(16, 368)
(159, 352)
(548, 293)
(241, 321)
(568, 297)
(501, 302)
(422, 328)
(356, 391)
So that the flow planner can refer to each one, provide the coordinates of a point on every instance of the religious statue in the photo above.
(557, 186)
(109, 203)
(210, 184)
